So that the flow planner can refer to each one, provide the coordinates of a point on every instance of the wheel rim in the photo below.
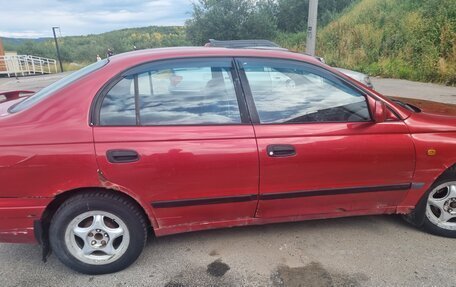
(97, 237)
(441, 206)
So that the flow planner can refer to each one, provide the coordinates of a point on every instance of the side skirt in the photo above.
(168, 230)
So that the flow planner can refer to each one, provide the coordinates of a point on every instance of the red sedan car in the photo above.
(173, 140)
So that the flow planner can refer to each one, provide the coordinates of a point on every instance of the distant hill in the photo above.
(412, 39)
(84, 49)
(12, 43)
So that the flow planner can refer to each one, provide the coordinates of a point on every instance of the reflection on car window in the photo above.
(288, 92)
(119, 105)
(186, 94)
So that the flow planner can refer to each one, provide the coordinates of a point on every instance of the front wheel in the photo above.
(440, 209)
(98, 232)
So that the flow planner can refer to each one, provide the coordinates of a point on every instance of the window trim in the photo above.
(94, 119)
(309, 66)
(136, 91)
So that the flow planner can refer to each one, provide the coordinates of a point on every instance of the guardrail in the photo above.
(24, 65)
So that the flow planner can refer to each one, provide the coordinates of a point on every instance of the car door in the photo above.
(320, 151)
(175, 134)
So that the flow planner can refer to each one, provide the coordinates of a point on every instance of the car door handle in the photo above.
(122, 155)
(281, 150)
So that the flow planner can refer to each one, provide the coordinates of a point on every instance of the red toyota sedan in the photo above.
(165, 141)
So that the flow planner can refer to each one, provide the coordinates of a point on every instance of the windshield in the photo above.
(49, 90)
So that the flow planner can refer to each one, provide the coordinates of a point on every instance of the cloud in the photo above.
(87, 17)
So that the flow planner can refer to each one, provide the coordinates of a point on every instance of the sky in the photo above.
(35, 18)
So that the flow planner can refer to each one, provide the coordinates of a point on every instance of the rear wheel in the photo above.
(98, 232)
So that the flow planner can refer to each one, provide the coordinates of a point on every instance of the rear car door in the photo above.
(320, 151)
(176, 134)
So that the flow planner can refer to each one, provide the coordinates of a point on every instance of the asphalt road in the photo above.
(356, 251)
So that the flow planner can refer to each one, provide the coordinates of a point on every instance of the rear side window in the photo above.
(119, 104)
(184, 92)
(293, 92)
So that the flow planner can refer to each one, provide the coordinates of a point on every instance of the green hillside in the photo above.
(410, 39)
(12, 43)
(84, 49)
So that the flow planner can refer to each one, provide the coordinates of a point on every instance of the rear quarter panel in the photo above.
(48, 149)
(44, 151)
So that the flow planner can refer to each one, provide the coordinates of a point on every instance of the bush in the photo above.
(408, 39)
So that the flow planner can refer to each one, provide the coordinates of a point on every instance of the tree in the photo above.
(292, 14)
(231, 20)
(262, 22)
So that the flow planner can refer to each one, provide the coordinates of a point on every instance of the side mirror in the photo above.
(380, 112)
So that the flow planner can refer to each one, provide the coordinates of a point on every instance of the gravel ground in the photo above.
(415, 90)
(356, 251)
(33, 83)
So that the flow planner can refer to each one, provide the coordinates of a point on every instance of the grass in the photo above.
(403, 39)
(72, 66)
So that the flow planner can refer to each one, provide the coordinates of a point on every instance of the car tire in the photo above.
(436, 211)
(98, 232)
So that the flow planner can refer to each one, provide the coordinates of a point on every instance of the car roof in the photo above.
(147, 55)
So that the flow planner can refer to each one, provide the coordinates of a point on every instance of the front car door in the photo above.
(320, 151)
(175, 135)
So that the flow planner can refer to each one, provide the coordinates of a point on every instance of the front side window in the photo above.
(292, 92)
(185, 92)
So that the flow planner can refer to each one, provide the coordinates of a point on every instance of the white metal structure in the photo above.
(24, 65)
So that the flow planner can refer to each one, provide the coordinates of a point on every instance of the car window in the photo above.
(293, 92)
(119, 104)
(178, 93)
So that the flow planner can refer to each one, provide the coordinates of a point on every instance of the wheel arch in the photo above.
(416, 217)
(450, 171)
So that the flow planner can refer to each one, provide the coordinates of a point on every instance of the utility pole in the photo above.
(2, 53)
(312, 27)
(57, 47)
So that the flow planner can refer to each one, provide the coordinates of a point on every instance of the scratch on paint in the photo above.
(16, 232)
(19, 162)
(106, 183)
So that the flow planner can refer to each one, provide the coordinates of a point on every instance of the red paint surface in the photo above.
(51, 149)
(334, 155)
(185, 163)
